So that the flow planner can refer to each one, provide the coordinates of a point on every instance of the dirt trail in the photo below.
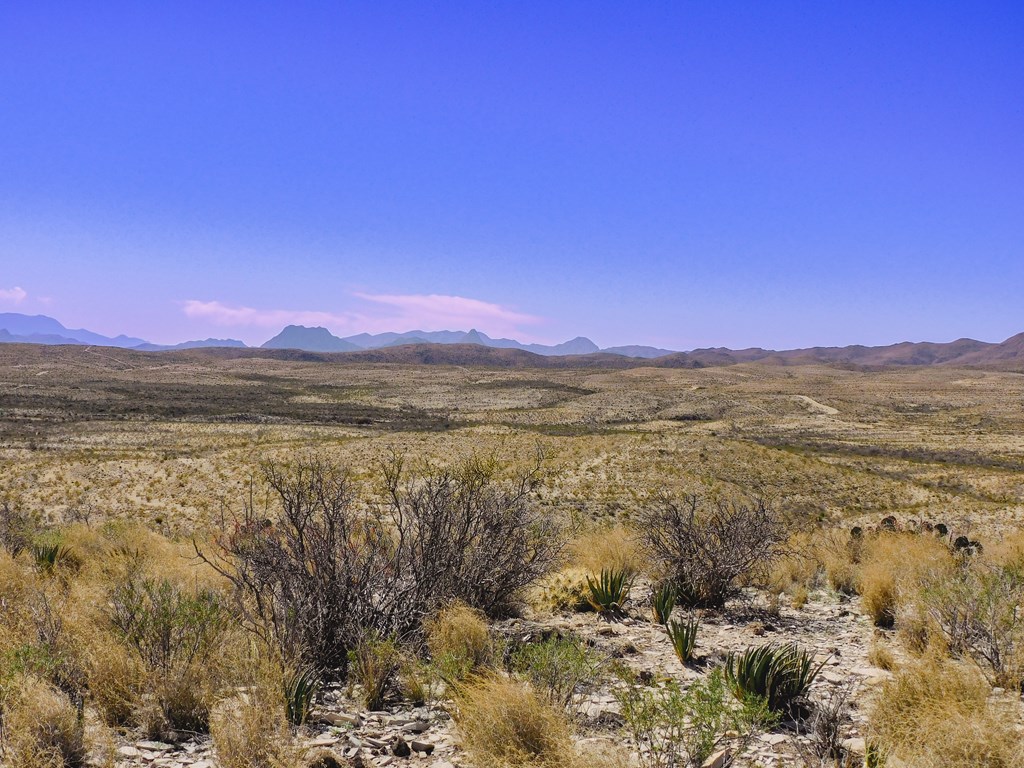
(814, 405)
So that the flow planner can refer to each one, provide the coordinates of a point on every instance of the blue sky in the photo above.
(680, 174)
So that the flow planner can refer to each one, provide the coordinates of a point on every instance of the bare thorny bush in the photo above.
(315, 569)
(710, 549)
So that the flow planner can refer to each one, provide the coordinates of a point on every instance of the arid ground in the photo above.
(171, 443)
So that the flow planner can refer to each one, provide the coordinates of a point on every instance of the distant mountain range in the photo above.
(473, 347)
(322, 340)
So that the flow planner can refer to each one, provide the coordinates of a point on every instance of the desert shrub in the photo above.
(318, 571)
(798, 567)
(459, 641)
(564, 590)
(175, 633)
(562, 669)
(779, 675)
(116, 678)
(374, 664)
(462, 535)
(683, 636)
(608, 546)
(673, 727)
(663, 601)
(824, 728)
(305, 573)
(937, 713)
(41, 727)
(978, 613)
(609, 592)
(710, 549)
(504, 723)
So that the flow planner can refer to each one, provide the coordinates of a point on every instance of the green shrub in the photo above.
(563, 669)
(673, 727)
(780, 675)
(683, 635)
(175, 633)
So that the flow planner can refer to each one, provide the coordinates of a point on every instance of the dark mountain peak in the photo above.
(317, 339)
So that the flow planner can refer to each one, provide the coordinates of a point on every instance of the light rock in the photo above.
(718, 760)
(855, 746)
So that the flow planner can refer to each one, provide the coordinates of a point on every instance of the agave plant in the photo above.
(300, 688)
(49, 556)
(663, 600)
(683, 635)
(609, 592)
(780, 675)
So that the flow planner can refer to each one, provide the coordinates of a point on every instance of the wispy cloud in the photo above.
(242, 317)
(435, 312)
(14, 295)
(376, 313)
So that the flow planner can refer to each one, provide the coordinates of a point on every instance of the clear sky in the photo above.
(681, 174)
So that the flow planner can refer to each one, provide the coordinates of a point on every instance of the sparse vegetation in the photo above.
(561, 668)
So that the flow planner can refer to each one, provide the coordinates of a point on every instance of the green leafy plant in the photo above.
(683, 635)
(609, 591)
(663, 600)
(561, 668)
(780, 675)
(300, 689)
(674, 727)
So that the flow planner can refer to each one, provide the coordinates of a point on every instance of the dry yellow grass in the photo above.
(936, 714)
(881, 656)
(504, 724)
(250, 731)
(892, 568)
(41, 727)
(459, 640)
(606, 546)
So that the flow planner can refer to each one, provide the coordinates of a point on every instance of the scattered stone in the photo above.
(422, 746)
(154, 746)
(339, 719)
(400, 748)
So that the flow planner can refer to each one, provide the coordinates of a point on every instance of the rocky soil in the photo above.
(830, 625)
